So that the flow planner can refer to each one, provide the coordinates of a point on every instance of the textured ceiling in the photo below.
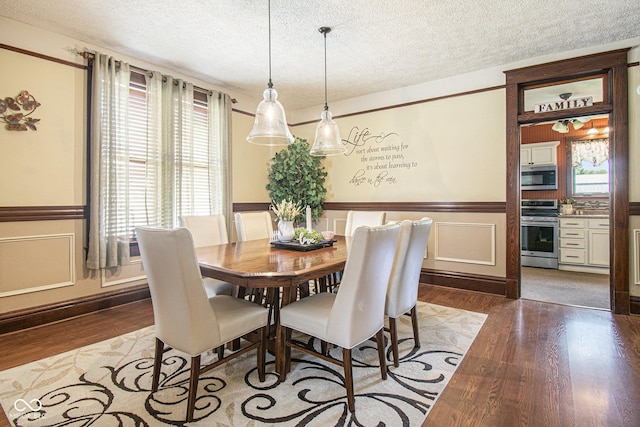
(374, 46)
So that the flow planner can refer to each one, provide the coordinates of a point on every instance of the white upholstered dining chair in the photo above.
(185, 318)
(402, 292)
(356, 219)
(253, 225)
(352, 315)
(208, 230)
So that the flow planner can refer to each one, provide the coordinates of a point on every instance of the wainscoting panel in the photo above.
(469, 243)
(339, 226)
(36, 263)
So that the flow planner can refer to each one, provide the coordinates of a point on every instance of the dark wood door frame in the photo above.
(614, 65)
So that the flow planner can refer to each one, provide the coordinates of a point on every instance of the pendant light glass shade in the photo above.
(577, 124)
(270, 126)
(561, 126)
(592, 130)
(327, 141)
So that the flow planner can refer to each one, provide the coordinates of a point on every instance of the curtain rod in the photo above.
(90, 56)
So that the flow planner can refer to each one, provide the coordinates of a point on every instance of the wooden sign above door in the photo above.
(565, 104)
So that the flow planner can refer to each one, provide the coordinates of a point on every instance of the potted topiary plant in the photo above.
(297, 176)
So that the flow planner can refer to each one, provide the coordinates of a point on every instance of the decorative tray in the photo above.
(297, 246)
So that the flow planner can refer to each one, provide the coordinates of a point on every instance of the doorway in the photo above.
(612, 67)
(579, 275)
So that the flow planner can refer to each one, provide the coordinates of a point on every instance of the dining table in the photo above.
(265, 264)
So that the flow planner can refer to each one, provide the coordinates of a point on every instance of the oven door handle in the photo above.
(540, 224)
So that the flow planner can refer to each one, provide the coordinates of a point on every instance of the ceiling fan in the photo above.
(562, 126)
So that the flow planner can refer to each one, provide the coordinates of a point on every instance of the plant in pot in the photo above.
(566, 206)
(286, 212)
(297, 176)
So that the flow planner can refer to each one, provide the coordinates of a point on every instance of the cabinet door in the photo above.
(543, 155)
(525, 156)
(599, 248)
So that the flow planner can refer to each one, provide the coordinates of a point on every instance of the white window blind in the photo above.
(195, 165)
(193, 158)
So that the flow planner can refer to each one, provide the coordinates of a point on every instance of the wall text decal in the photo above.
(381, 155)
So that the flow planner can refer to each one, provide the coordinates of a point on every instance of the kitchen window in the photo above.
(590, 167)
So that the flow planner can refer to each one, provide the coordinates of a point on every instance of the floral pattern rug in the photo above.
(108, 383)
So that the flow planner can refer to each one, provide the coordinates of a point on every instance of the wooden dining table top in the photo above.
(257, 263)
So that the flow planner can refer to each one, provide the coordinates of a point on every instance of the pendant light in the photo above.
(270, 126)
(328, 141)
(561, 126)
(592, 130)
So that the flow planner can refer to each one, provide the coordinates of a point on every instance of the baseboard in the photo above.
(466, 281)
(36, 316)
(634, 305)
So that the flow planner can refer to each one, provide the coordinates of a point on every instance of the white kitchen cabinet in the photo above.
(539, 153)
(584, 245)
(598, 242)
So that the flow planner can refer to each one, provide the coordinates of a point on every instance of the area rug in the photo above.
(108, 383)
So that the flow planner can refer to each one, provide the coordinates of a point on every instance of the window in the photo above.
(158, 150)
(138, 162)
(192, 155)
(590, 167)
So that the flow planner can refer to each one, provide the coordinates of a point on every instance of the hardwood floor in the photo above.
(541, 364)
(532, 364)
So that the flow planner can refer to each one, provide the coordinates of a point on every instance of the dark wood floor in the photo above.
(532, 364)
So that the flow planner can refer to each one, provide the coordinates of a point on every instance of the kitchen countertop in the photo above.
(584, 216)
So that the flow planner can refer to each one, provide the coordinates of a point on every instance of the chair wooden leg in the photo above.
(220, 352)
(193, 386)
(287, 350)
(303, 289)
(234, 345)
(414, 323)
(157, 363)
(383, 362)
(324, 347)
(281, 336)
(394, 340)
(348, 378)
(262, 353)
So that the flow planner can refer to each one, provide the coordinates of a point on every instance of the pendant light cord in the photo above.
(326, 106)
(324, 31)
(270, 84)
